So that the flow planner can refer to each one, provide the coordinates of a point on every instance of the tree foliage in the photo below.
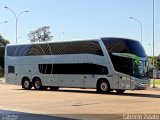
(3, 43)
(156, 62)
(40, 35)
(158, 57)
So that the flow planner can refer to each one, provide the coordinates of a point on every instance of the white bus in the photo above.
(104, 64)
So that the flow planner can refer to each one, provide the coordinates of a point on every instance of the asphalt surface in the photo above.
(75, 104)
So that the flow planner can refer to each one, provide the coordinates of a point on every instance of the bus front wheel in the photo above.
(103, 87)
(26, 84)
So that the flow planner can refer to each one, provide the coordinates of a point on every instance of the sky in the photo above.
(83, 19)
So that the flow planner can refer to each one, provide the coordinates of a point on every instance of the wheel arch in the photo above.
(103, 79)
(25, 77)
(36, 77)
(23, 81)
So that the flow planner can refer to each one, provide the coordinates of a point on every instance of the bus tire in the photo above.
(26, 84)
(120, 91)
(103, 86)
(37, 84)
(54, 88)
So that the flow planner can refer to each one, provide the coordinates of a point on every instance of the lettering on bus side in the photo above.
(75, 68)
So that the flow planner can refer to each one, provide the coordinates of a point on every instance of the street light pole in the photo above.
(153, 47)
(139, 24)
(16, 17)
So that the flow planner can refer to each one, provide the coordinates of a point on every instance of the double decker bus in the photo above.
(104, 64)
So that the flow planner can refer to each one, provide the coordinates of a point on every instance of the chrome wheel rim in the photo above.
(37, 84)
(26, 84)
(104, 86)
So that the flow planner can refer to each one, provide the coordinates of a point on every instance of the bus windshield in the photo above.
(119, 45)
(129, 66)
(140, 70)
(119, 49)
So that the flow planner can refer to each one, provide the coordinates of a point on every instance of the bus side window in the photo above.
(11, 69)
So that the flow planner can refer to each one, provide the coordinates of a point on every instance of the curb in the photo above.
(157, 87)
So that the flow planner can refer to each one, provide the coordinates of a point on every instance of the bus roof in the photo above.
(109, 38)
(64, 41)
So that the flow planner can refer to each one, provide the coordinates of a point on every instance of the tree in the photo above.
(156, 62)
(3, 43)
(40, 35)
(158, 57)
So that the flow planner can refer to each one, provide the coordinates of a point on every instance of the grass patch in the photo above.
(157, 82)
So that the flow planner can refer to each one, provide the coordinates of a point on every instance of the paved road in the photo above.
(76, 103)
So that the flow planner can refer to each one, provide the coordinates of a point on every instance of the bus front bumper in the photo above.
(142, 85)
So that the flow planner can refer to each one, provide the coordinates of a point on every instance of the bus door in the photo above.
(124, 81)
(115, 81)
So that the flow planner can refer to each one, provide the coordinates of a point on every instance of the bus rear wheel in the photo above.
(103, 87)
(37, 84)
(26, 84)
(120, 91)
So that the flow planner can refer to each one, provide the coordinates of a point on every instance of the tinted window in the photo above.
(40, 49)
(72, 69)
(80, 47)
(20, 50)
(119, 45)
(11, 69)
(123, 65)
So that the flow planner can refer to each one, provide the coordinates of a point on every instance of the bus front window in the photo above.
(140, 70)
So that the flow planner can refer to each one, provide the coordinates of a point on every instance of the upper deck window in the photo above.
(119, 45)
(77, 47)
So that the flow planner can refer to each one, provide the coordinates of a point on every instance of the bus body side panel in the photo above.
(28, 66)
(112, 76)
